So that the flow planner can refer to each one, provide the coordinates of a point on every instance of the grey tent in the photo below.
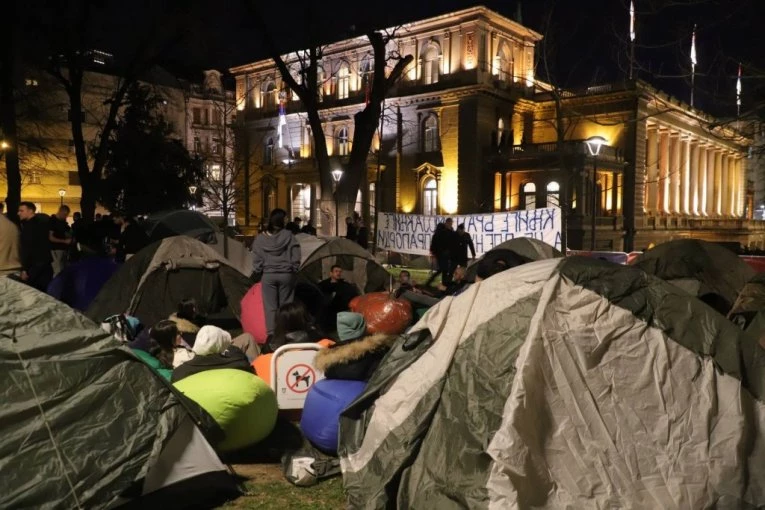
(566, 383)
(523, 248)
(239, 255)
(360, 267)
(181, 222)
(750, 303)
(86, 424)
(702, 269)
(150, 285)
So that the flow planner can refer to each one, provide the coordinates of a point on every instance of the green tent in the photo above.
(86, 424)
(563, 383)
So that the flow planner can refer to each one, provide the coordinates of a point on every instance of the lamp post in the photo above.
(193, 193)
(594, 143)
(336, 176)
(61, 194)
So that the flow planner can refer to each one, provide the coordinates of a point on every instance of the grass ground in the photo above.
(418, 275)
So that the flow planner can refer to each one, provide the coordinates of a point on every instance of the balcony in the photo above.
(571, 147)
(692, 223)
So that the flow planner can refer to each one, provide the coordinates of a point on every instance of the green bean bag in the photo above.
(153, 363)
(241, 403)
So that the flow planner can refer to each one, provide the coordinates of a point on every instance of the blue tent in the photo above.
(77, 285)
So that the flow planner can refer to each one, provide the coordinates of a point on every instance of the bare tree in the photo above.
(8, 67)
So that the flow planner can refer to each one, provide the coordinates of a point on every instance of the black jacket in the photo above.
(35, 246)
(464, 242)
(230, 358)
(445, 242)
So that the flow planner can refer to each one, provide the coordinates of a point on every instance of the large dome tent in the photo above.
(85, 423)
(150, 285)
(181, 222)
(516, 251)
(360, 267)
(585, 373)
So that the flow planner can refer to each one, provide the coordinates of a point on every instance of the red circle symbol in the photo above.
(300, 378)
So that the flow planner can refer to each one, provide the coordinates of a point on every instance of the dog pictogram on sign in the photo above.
(300, 378)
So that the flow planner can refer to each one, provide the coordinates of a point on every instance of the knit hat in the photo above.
(350, 326)
(211, 340)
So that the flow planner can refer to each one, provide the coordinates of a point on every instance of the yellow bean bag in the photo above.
(241, 403)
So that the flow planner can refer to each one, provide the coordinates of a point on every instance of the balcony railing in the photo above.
(690, 223)
(569, 147)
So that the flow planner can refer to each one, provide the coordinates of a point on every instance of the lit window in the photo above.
(430, 61)
(553, 194)
(30, 82)
(268, 153)
(342, 142)
(500, 131)
(529, 195)
(430, 197)
(366, 73)
(215, 172)
(34, 178)
(216, 149)
(343, 81)
(197, 145)
(372, 199)
(431, 134)
(269, 95)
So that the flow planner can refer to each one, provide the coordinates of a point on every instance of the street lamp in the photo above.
(61, 193)
(193, 193)
(594, 143)
(336, 176)
(4, 145)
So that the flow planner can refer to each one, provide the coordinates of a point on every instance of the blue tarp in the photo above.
(78, 284)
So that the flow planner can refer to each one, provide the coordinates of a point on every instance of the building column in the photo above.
(703, 178)
(664, 189)
(733, 185)
(694, 178)
(614, 193)
(651, 170)
(724, 184)
(740, 171)
(674, 174)
(447, 51)
(718, 182)
(711, 195)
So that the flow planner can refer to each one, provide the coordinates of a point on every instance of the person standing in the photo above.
(464, 242)
(132, 238)
(351, 230)
(60, 237)
(443, 247)
(10, 261)
(277, 258)
(36, 268)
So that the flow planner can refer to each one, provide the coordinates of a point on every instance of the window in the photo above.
(503, 63)
(553, 194)
(343, 148)
(214, 173)
(366, 73)
(74, 178)
(217, 118)
(70, 117)
(30, 82)
(430, 61)
(249, 85)
(529, 196)
(216, 146)
(343, 81)
(196, 114)
(205, 116)
(269, 95)
(197, 145)
(372, 199)
(430, 138)
(268, 153)
(301, 202)
(34, 178)
(430, 197)
(500, 132)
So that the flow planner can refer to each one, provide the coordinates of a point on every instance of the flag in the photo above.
(693, 47)
(632, 21)
(738, 86)
(282, 117)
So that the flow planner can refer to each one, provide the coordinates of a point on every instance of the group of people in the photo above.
(356, 230)
(449, 249)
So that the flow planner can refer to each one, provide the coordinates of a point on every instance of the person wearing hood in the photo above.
(213, 349)
(276, 260)
(356, 355)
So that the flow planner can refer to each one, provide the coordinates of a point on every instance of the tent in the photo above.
(150, 285)
(78, 284)
(181, 222)
(750, 302)
(238, 256)
(565, 383)
(526, 247)
(86, 424)
(700, 268)
(360, 267)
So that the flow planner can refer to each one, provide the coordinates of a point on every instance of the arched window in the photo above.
(430, 197)
(268, 152)
(365, 70)
(503, 63)
(430, 134)
(343, 148)
(529, 195)
(269, 95)
(430, 61)
(553, 194)
(500, 131)
(343, 81)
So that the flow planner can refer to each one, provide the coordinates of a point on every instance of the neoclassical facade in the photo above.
(471, 129)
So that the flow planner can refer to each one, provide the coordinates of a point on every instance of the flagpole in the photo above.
(693, 63)
(738, 92)
(632, 38)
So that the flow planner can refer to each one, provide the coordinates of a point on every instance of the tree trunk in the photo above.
(8, 118)
(87, 184)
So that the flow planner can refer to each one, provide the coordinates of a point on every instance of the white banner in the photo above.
(412, 233)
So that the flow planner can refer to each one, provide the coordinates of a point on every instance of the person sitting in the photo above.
(308, 228)
(338, 291)
(355, 356)
(456, 286)
(213, 349)
(167, 342)
(188, 320)
(293, 326)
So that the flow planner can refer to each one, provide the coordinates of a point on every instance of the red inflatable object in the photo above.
(383, 313)
(254, 315)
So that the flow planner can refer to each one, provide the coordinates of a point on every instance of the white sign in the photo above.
(293, 374)
(412, 233)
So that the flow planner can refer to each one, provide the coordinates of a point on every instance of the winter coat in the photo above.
(276, 253)
(10, 259)
(355, 360)
(186, 328)
(232, 357)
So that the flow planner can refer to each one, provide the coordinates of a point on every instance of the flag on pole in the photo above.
(738, 87)
(693, 47)
(282, 117)
(632, 21)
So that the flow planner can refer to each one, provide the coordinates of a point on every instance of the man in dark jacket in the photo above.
(132, 237)
(444, 248)
(338, 291)
(464, 242)
(36, 268)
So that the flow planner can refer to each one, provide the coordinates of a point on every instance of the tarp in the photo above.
(566, 383)
(84, 423)
(359, 266)
(698, 267)
(150, 285)
(181, 222)
(526, 247)
(79, 283)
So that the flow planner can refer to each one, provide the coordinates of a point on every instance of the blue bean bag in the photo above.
(321, 412)
(240, 402)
